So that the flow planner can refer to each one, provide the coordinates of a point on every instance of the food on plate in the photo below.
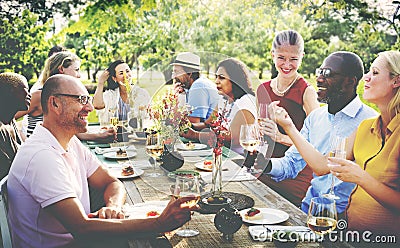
(217, 200)
(253, 214)
(127, 171)
(121, 153)
(207, 164)
(190, 145)
(152, 213)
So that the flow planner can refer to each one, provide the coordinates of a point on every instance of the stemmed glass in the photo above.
(322, 215)
(114, 121)
(250, 140)
(187, 186)
(337, 150)
(154, 148)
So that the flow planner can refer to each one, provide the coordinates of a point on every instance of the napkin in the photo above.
(234, 173)
(196, 153)
(264, 233)
(99, 150)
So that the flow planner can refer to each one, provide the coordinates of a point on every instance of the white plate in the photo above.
(197, 146)
(113, 155)
(201, 166)
(117, 173)
(270, 216)
(140, 210)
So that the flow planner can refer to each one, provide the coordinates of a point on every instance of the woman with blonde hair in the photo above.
(59, 63)
(374, 204)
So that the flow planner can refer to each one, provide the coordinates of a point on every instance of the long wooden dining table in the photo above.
(146, 189)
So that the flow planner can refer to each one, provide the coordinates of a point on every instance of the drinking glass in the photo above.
(262, 113)
(154, 148)
(187, 186)
(337, 150)
(250, 140)
(322, 215)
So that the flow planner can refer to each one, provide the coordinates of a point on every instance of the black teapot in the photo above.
(228, 221)
(171, 160)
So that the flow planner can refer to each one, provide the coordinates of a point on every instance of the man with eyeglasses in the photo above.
(337, 81)
(49, 179)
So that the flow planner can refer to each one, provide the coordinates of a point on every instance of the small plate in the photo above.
(270, 216)
(202, 166)
(113, 155)
(196, 146)
(140, 210)
(117, 173)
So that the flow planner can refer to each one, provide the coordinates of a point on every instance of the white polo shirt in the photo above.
(42, 174)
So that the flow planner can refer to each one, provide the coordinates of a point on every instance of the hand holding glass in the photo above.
(338, 150)
(187, 186)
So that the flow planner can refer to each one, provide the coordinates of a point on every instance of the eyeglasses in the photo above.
(325, 72)
(83, 99)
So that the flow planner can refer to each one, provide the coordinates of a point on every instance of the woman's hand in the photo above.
(346, 170)
(279, 115)
(269, 127)
(103, 77)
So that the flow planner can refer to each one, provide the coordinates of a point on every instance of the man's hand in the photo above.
(107, 135)
(174, 215)
(108, 213)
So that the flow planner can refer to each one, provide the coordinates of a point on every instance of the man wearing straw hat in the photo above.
(201, 93)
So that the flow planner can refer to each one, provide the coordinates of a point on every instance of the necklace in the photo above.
(281, 93)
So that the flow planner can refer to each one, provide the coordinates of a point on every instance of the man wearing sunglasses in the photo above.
(49, 179)
(337, 81)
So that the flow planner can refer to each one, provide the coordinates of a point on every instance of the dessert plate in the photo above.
(194, 146)
(117, 172)
(113, 155)
(269, 216)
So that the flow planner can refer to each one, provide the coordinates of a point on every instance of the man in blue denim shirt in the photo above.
(337, 81)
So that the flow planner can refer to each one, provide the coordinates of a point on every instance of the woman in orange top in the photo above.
(374, 204)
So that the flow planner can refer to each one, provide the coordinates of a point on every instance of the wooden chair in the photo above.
(5, 231)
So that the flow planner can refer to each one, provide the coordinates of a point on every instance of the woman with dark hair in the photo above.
(233, 83)
(115, 101)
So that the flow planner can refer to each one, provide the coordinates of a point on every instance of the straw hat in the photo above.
(188, 59)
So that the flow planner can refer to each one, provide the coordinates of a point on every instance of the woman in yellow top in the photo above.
(374, 204)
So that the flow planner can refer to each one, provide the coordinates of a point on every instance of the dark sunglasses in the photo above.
(82, 99)
(325, 72)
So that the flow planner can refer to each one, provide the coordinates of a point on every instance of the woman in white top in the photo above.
(118, 100)
(233, 83)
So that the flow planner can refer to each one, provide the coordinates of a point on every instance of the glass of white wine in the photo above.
(250, 140)
(187, 186)
(322, 215)
(337, 150)
(154, 148)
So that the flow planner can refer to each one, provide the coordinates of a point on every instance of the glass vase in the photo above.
(217, 174)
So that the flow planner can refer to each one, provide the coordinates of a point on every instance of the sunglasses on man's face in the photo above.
(82, 99)
(325, 72)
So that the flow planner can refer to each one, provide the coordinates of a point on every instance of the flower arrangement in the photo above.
(169, 117)
(219, 125)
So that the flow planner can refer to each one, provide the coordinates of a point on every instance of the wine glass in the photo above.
(250, 140)
(337, 150)
(154, 148)
(114, 121)
(187, 186)
(322, 215)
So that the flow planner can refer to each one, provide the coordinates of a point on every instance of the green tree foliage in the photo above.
(23, 47)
